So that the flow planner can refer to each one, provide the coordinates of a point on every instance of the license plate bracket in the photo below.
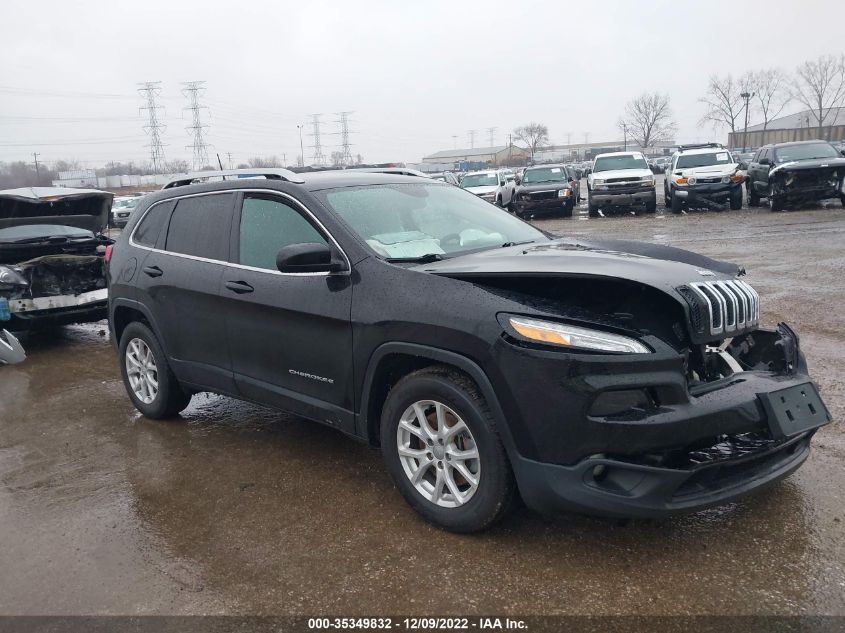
(794, 410)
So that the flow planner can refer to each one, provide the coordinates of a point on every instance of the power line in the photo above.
(149, 91)
(318, 159)
(471, 135)
(491, 131)
(193, 90)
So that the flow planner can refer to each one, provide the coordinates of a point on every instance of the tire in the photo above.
(567, 210)
(736, 199)
(651, 206)
(428, 391)
(842, 199)
(775, 202)
(677, 204)
(593, 208)
(753, 196)
(169, 399)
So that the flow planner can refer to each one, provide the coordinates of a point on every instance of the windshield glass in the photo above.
(545, 174)
(480, 180)
(704, 160)
(128, 203)
(31, 231)
(412, 220)
(805, 152)
(609, 163)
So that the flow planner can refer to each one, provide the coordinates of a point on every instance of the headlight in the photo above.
(11, 277)
(736, 178)
(598, 181)
(647, 181)
(573, 336)
(691, 180)
(680, 180)
(564, 193)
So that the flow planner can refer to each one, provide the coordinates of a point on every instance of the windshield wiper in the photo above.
(506, 244)
(422, 259)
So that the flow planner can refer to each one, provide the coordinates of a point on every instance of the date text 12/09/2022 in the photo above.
(418, 623)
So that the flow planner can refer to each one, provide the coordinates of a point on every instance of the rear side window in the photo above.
(268, 225)
(199, 226)
(150, 227)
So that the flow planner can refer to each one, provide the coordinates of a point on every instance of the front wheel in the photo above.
(775, 201)
(753, 196)
(677, 204)
(442, 450)
(150, 383)
(736, 199)
(651, 206)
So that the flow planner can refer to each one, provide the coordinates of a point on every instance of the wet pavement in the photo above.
(240, 509)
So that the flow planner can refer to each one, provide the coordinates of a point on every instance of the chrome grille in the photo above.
(731, 305)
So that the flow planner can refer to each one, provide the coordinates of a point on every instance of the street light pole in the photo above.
(747, 96)
(301, 148)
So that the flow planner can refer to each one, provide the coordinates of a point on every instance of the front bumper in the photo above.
(547, 205)
(637, 463)
(59, 310)
(624, 197)
(716, 192)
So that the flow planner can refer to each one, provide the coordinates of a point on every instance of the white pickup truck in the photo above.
(621, 179)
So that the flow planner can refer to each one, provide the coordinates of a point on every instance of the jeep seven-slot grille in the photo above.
(730, 305)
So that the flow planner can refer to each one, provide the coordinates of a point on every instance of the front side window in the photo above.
(629, 161)
(413, 220)
(199, 226)
(268, 225)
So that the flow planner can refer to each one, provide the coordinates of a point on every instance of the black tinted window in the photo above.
(150, 227)
(268, 225)
(200, 226)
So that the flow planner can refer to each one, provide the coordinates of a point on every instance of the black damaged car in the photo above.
(485, 358)
(546, 190)
(796, 173)
(52, 254)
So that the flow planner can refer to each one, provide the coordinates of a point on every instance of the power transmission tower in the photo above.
(37, 170)
(491, 131)
(471, 135)
(194, 90)
(319, 159)
(343, 121)
(149, 90)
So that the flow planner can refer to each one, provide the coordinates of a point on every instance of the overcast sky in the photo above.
(416, 74)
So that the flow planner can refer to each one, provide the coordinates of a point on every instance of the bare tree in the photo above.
(820, 85)
(337, 159)
(264, 161)
(176, 166)
(648, 119)
(771, 92)
(533, 136)
(723, 100)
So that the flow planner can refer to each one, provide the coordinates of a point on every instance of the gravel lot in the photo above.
(239, 509)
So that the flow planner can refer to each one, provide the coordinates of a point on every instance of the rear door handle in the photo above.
(153, 271)
(239, 286)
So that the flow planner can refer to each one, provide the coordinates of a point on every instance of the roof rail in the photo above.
(271, 173)
(682, 148)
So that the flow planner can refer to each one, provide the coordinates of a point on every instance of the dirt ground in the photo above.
(240, 509)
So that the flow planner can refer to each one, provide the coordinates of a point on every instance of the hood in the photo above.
(543, 186)
(710, 171)
(633, 174)
(807, 165)
(480, 191)
(82, 208)
(661, 267)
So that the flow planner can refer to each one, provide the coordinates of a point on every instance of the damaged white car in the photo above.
(52, 256)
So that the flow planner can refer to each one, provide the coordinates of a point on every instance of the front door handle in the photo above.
(153, 271)
(239, 286)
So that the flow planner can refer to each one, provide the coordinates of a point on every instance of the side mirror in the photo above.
(310, 257)
(743, 165)
(517, 180)
(764, 161)
(842, 152)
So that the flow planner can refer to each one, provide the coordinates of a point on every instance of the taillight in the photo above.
(108, 252)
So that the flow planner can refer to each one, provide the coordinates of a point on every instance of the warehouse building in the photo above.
(496, 155)
(801, 126)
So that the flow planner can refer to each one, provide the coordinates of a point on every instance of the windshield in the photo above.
(128, 203)
(31, 231)
(704, 160)
(545, 174)
(805, 152)
(609, 163)
(480, 180)
(413, 220)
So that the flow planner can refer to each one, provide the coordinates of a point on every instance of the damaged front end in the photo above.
(803, 184)
(52, 256)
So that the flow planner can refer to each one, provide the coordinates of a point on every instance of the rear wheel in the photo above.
(150, 383)
(736, 199)
(441, 448)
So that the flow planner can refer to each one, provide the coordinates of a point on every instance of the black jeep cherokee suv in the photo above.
(484, 357)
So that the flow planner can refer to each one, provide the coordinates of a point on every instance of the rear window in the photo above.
(199, 226)
(150, 227)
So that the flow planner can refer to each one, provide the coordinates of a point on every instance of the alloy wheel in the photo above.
(438, 453)
(141, 370)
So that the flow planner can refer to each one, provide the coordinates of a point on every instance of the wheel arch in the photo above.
(391, 361)
(125, 311)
